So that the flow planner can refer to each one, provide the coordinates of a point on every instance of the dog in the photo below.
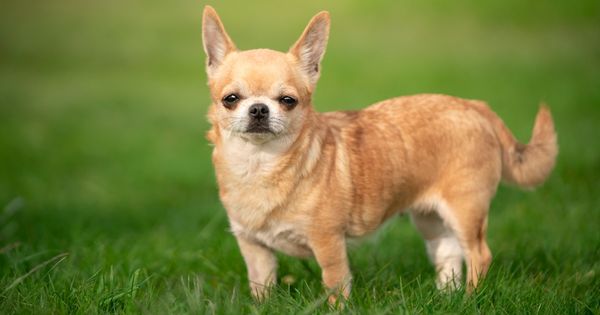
(301, 182)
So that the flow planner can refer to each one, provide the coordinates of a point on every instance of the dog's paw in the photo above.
(260, 293)
(336, 302)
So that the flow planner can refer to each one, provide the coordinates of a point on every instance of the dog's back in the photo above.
(404, 150)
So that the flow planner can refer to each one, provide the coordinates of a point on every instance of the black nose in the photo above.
(259, 111)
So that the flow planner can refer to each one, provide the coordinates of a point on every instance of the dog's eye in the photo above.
(288, 101)
(230, 100)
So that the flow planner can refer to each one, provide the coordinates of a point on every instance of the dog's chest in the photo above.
(282, 236)
(251, 185)
(254, 189)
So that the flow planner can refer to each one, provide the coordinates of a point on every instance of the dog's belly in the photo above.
(283, 237)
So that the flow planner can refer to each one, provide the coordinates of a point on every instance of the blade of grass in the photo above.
(58, 258)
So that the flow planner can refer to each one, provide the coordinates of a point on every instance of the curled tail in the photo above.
(528, 165)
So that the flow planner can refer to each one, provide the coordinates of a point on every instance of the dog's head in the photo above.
(262, 94)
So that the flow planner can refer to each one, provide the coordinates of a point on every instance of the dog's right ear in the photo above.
(217, 43)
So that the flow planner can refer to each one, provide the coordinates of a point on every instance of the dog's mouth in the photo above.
(259, 127)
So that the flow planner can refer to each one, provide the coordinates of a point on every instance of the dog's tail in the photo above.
(527, 165)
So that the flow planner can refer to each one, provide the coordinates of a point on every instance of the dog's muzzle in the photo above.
(259, 118)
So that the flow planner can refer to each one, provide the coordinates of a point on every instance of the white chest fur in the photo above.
(247, 168)
(252, 194)
(248, 161)
(285, 237)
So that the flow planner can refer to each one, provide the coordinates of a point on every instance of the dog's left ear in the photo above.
(217, 43)
(310, 48)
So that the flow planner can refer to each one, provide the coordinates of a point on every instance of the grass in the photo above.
(109, 198)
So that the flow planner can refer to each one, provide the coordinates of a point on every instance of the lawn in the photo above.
(108, 197)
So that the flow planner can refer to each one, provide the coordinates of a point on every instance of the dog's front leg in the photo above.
(330, 252)
(261, 264)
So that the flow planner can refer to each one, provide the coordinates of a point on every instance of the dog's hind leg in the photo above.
(443, 248)
(466, 215)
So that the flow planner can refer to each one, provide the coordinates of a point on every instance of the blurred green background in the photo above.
(103, 156)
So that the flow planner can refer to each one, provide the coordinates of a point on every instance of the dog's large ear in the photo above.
(310, 47)
(217, 43)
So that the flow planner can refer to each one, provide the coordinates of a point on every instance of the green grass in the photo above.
(108, 194)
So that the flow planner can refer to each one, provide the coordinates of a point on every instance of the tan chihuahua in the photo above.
(301, 182)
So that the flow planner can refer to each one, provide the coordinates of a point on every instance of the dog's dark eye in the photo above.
(288, 101)
(230, 100)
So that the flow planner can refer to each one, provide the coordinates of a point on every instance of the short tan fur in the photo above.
(302, 182)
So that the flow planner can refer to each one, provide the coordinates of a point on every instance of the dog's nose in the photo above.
(259, 111)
